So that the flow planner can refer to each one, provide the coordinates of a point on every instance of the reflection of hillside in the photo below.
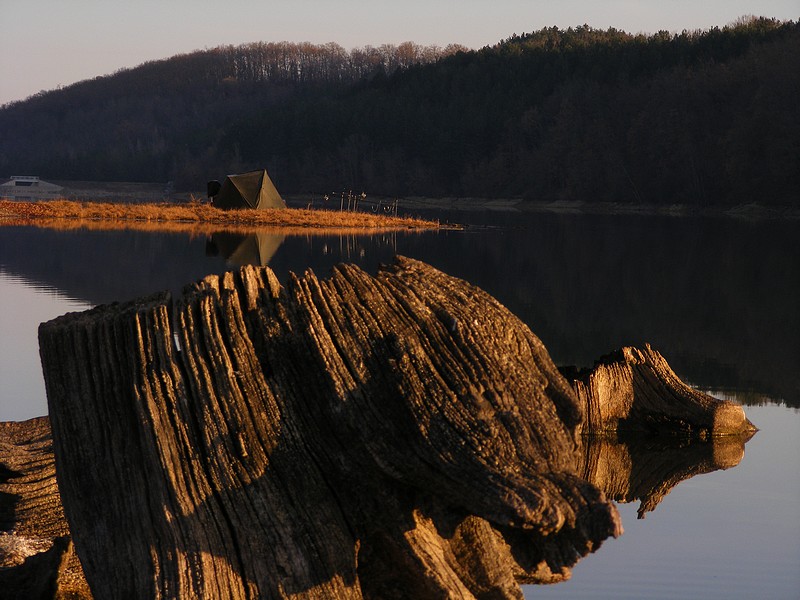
(718, 297)
(104, 266)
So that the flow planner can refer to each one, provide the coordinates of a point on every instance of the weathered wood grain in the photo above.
(634, 389)
(37, 560)
(395, 436)
(297, 435)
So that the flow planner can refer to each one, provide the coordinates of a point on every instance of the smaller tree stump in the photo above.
(37, 558)
(635, 390)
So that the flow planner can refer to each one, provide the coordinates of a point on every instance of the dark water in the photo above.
(718, 297)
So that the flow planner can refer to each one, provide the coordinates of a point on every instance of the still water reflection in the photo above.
(717, 297)
(727, 534)
(239, 249)
(22, 307)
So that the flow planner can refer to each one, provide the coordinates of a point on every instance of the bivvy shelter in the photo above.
(253, 189)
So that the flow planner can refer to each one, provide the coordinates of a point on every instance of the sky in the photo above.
(45, 44)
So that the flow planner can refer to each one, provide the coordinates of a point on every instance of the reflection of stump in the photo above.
(395, 436)
(633, 467)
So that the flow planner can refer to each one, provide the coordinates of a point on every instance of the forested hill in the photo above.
(704, 118)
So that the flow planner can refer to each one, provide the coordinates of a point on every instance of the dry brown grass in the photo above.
(194, 218)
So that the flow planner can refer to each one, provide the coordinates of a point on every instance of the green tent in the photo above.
(248, 190)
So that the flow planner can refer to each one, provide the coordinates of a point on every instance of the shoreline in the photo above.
(193, 216)
(71, 214)
(751, 210)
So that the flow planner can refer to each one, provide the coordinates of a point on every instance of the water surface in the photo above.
(718, 297)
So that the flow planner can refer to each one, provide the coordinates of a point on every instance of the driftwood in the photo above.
(394, 436)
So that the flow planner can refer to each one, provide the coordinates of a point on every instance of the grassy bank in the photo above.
(69, 214)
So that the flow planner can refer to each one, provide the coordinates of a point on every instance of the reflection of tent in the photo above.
(255, 249)
(248, 190)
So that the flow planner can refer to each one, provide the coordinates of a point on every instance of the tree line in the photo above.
(160, 120)
(702, 118)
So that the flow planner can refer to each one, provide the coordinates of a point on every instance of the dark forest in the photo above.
(703, 118)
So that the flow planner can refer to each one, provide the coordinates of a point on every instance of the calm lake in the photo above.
(718, 297)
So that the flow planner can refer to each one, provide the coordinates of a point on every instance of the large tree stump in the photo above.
(394, 436)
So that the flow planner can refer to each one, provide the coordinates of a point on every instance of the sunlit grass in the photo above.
(106, 215)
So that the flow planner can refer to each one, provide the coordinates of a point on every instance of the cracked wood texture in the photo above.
(395, 436)
(37, 559)
(635, 390)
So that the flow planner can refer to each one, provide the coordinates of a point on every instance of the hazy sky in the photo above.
(47, 43)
